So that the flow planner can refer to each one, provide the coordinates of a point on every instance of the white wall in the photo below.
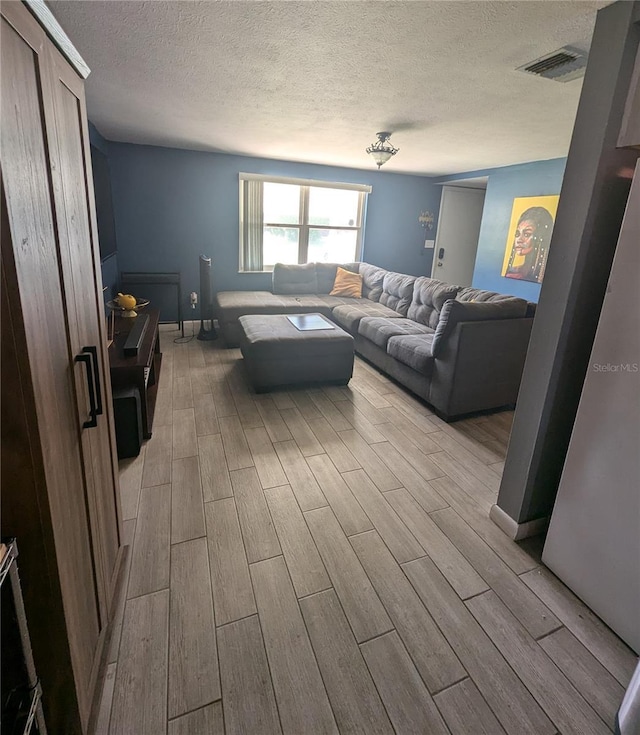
(593, 543)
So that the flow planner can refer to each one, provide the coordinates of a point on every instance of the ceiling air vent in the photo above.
(563, 65)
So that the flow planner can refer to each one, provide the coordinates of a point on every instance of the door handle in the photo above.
(441, 253)
(85, 357)
(93, 350)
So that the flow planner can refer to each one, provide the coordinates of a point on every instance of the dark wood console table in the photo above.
(141, 371)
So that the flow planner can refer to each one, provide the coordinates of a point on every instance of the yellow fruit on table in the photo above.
(126, 301)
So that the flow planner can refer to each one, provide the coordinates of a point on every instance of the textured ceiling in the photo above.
(314, 81)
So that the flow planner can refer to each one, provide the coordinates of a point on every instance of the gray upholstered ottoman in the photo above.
(277, 353)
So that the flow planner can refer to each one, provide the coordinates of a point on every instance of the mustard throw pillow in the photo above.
(347, 284)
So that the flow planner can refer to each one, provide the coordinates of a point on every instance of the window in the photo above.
(298, 221)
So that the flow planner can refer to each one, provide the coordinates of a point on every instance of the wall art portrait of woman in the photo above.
(529, 236)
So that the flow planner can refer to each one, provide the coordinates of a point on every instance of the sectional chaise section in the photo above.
(462, 350)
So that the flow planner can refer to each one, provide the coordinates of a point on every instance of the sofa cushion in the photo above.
(347, 284)
(397, 291)
(305, 303)
(413, 350)
(294, 279)
(349, 315)
(333, 301)
(379, 329)
(326, 274)
(473, 311)
(234, 304)
(429, 296)
(372, 279)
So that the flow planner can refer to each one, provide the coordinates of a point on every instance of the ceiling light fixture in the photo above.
(382, 150)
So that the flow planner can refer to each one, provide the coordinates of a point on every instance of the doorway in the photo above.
(457, 236)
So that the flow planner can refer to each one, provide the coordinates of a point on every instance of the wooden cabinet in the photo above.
(59, 474)
(141, 371)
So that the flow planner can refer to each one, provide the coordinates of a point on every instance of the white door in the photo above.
(593, 543)
(457, 238)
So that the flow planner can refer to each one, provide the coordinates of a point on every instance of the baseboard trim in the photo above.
(513, 529)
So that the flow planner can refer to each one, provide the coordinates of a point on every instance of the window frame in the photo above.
(303, 226)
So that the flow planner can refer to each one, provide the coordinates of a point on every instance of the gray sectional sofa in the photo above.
(462, 350)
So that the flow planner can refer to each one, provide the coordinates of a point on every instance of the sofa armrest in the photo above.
(479, 366)
(454, 312)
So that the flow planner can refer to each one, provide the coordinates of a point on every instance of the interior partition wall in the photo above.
(592, 203)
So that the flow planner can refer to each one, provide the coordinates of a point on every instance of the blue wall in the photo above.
(109, 266)
(97, 140)
(171, 205)
(525, 179)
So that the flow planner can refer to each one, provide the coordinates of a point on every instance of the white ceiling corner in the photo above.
(314, 80)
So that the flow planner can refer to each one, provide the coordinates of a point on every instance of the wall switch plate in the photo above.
(429, 244)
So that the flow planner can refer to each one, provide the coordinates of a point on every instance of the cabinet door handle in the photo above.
(85, 357)
(93, 350)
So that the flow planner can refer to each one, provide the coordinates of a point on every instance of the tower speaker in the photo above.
(207, 328)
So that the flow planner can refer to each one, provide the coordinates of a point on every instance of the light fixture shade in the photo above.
(381, 157)
(382, 150)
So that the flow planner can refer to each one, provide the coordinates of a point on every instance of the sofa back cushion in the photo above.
(372, 279)
(307, 278)
(429, 296)
(294, 279)
(326, 274)
(397, 290)
(477, 294)
(455, 311)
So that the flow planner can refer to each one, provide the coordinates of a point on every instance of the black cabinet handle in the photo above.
(441, 253)
(85, 357)
(96, 377)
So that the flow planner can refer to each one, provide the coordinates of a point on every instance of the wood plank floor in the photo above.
(321, 560)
